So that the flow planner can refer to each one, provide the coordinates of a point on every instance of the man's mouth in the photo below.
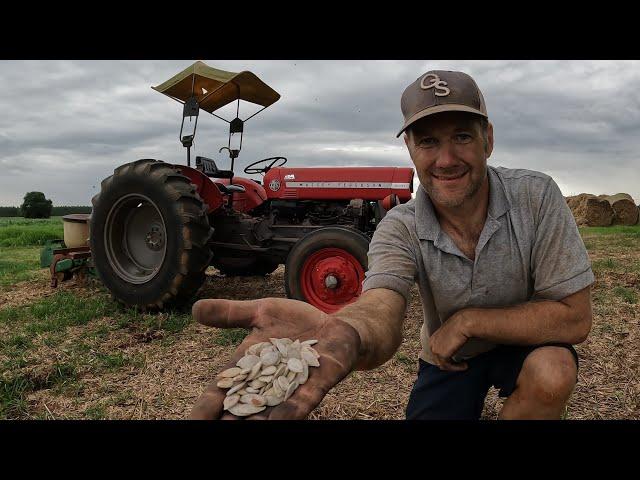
(449, 178)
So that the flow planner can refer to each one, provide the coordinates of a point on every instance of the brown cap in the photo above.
(441, 91)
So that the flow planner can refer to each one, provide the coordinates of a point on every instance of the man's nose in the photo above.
(446, 156)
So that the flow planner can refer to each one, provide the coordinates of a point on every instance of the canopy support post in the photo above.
(191, 109)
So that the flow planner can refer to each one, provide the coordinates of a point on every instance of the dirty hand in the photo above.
(338, 345)
(448, 339)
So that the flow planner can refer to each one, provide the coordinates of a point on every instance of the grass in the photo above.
(612, 239)
(70, 389)
(19, 342)
(96, 412)
(61, 373)
(21, 221)
(23, 232)
(402, 358)
(617, 230)
(12, 397)
(13, 391)
(18, 264)
(20, 242)
(626, 294)
(230, 336)
(54, 314)
(611, 265)
(59, 311)
(113, 361)
(46, 322)
(605, 264)
(48, 317)
(408, 362)
(118, 360)
(173, 321)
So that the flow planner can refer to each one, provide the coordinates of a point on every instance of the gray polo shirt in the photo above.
(529, 249)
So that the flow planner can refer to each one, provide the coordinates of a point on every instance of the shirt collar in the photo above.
(427, 224)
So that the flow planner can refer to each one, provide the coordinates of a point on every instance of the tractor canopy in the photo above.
(214, 88)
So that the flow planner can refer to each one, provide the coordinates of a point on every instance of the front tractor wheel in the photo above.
(149, 233)
(326, 268)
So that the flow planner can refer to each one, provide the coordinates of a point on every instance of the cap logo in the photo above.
(441, 89)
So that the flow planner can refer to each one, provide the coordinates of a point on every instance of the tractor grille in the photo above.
(290, 193)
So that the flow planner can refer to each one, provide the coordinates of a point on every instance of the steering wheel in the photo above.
(273, 160)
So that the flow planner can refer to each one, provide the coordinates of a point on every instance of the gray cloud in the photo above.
(67, 124)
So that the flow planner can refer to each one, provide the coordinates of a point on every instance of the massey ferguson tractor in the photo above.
(156, 226)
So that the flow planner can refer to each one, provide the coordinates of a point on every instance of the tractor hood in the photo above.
(215, 88)
(343, 183)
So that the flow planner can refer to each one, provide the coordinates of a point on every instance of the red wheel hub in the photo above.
(331, 278)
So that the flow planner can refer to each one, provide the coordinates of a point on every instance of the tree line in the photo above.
(36, 205)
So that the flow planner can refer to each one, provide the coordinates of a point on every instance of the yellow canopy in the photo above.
(201, 80)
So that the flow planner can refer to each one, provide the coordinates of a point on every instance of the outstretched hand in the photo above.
(338, 346)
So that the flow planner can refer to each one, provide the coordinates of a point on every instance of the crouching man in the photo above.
(503, 275)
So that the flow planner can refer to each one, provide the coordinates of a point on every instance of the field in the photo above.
(72, 353)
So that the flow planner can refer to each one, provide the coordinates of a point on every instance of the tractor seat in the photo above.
(210, 169)
(226, 189)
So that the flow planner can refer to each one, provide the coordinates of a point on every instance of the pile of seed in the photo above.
(267, 375)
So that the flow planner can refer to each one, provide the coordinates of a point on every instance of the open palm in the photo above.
(338, 345)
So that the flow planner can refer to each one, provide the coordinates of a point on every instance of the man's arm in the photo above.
(377, 316)
(542, 321)
(533, 323)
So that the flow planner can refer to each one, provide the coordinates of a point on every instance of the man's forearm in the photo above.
(530, 323)
(377, 318)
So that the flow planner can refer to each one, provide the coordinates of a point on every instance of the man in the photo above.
(503, 275)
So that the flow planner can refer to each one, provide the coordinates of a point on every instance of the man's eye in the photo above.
(427, 142)
(463, 138)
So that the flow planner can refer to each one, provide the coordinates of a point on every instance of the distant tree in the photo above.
(35, 205)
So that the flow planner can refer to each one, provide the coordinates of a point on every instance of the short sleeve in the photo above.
(559, 259)
(392, 261)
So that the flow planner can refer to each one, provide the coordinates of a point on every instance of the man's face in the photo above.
(450, 155)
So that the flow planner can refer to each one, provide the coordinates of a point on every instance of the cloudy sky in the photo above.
(65, 125)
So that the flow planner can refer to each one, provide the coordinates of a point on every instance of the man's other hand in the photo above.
(447, 340)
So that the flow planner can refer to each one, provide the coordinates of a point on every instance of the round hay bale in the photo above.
(576, 200)
(625, 209)
(572, 201)
(590, 210)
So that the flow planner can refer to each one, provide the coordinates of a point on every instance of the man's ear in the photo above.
(406, 140)
(489, 147)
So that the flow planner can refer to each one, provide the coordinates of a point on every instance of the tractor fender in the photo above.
(206, 189)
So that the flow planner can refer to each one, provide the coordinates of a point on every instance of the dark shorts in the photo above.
(444, 395)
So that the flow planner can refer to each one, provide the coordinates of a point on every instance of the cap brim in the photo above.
(449, 107)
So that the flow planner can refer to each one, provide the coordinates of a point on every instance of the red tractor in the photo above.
(156, 227)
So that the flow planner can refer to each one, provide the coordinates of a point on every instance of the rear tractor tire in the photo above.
(326, 268)
(148, 235)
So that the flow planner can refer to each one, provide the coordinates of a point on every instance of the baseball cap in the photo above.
(441, 91)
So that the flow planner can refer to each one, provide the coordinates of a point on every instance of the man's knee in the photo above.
(549, 374)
